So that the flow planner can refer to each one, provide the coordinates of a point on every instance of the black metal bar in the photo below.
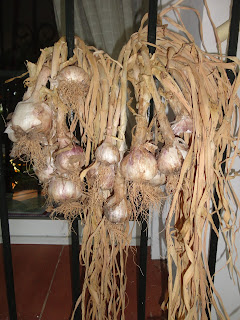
(7, 255)
(69, 16)
(152, 23)
(75, 268)
(232, 50)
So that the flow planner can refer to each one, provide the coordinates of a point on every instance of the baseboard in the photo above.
(56, 232)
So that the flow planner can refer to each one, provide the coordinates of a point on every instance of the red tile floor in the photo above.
(43, 284)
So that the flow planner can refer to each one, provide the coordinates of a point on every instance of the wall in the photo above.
(35, 231)
(228, 290)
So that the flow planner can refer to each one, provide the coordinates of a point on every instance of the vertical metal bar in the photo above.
(232, 51)
(69, 16)
(152, 23)
(75, 268)
(7, 255)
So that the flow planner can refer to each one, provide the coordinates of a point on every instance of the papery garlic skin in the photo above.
(73, 73)
(158, 180)
(70, 160)
(115, 210)
(182, 124)
(182, 147)
(105, 175)
(28, 115)
(46, 174)
(10, 132)
(107, 153)
(107, 179)
(169, 160)
(139, 165)
(172, 182)
(61, 189)
(32, 113)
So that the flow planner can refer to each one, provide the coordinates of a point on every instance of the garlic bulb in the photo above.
(60, 189)
(182, 124)
(46, 174)
(158, 180)
(104, 173)
(139, 165)
(107, 177)
(29, 115)
(70, 160)
(169, 160)
(32, 113)
(74, 74)
(107, 153)
(10, 132)
(116, 210)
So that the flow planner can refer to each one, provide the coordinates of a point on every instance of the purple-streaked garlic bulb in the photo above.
(107, 153)
(107, 177)
(70, 160)
(32, 113)
(139, 165)
(104, 173)
(116, 210)
(182, 124)
(61, 189)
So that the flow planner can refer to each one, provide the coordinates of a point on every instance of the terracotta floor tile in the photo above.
(59, 303)
(132, 280)
(156, 286)
(3, 294)
(157, 280)
(33, 267)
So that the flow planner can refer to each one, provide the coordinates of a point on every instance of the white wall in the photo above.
(35, 231)
(229, 292)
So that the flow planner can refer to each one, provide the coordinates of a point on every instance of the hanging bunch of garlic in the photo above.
(62, 120)
(68, 124)
(71, 126)
(188, 152)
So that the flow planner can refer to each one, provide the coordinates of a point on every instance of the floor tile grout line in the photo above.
(51, 283)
